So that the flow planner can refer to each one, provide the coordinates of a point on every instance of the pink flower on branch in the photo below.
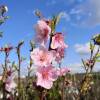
(6, 49)
(62, 71)
(58, 41)
(46, 76)
(59, 54)
(10, 85)
(42, 31)
(0, 78)
(41, 56)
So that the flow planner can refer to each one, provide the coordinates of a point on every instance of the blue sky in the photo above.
(80, 21)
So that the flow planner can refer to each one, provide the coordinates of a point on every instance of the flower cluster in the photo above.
(43, 58)
(6, 49)
(10, 85)
(8, 80)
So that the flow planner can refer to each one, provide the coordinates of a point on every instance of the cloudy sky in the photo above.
(80, 21)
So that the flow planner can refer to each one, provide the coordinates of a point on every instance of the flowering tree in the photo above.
(50, 80)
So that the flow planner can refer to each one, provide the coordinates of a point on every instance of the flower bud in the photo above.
(96, 39)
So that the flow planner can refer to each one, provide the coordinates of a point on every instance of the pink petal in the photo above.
(44, 83)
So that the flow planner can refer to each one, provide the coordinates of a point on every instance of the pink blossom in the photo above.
(0, 78)
(10, 85)
(62, 71)
(42, 31)
(41, 56)
(46, 76)
(6, 49)
(58, 41)
(59, 54)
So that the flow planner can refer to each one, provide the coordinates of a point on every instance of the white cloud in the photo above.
(52, 2)
(75, 11)
(84, 49)
(89, 13)
(95, 11)
(86, 13)
(65, 15)
(78, 68)
(97, 67)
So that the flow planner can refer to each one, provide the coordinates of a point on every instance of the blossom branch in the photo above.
(19, 66)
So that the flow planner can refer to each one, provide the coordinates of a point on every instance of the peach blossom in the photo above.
(46, 76)
(0, 77)
(41, 56)
(10, 85)
(58, 41)
(59, 54)
(42, 31)
(62, 71)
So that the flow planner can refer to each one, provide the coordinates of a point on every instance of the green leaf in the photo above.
(23, 58)
(1, 22)
(98, 60)
(32, 44)
(53, 24)
(57, 18)
(96, 39)
(98, 55)
(3, 19)
(55, 21)
(7, 17)
(14, 65)
(91, 46)
(1, 34)
(38, 13)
